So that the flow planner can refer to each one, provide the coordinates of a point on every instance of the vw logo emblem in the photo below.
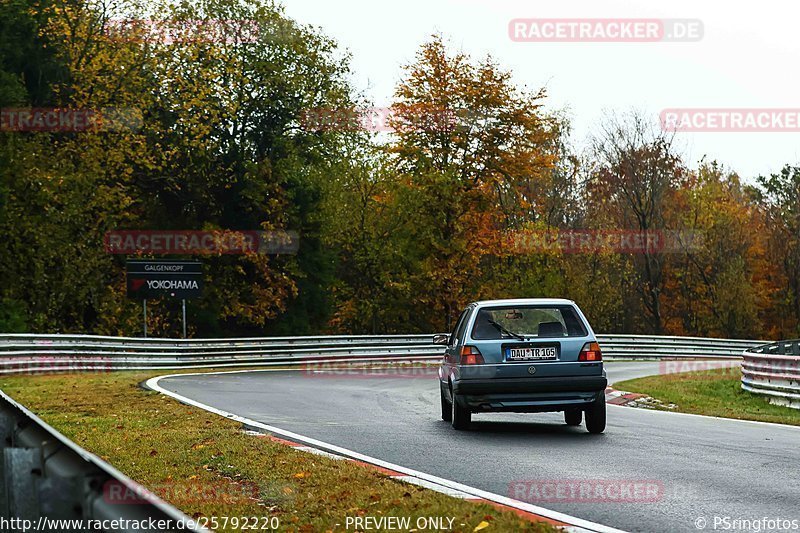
(531, 370)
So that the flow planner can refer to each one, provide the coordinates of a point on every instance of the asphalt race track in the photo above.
(707, 467)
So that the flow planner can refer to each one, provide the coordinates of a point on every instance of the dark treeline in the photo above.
(397, 230)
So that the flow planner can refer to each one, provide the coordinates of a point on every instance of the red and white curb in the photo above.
(399, 476)
(618, 397)
(632, 400)
(402, 473)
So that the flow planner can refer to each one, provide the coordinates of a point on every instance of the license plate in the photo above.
(532, 353)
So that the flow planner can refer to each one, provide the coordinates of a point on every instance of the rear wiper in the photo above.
(504, 330)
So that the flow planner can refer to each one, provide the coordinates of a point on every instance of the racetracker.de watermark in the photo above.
(731, 120)
(366, 371)
(681, 366)
(610, 30)
(772, 368)
(587, 490)
(192, 242)
(62, 120)
(178, 492)
(48, 364)
(608, 241)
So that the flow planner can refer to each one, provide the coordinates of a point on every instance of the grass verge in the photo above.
(712, 393)
(206, 466)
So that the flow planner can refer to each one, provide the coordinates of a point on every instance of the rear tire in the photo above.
(461, 417)
(596, 415)
(573, 417)
(447, 409)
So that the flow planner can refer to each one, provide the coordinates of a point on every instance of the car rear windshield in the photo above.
(528, 321)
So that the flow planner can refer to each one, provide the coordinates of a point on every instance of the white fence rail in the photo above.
(773, 370)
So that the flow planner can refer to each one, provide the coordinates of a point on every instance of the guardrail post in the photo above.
(22, 472)
(7, 424)
(62, 498)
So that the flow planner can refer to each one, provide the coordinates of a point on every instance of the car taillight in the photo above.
(590, 352)
(470, 355)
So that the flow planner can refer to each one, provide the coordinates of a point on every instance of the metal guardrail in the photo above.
(49, 483)
(26, 353)
(650, 347)
(773, 370)
(21, 353)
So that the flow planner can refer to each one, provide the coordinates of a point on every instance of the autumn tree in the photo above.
(717, 272)
(469, 146)
(372, 293)
(637, 171)
(779, 195)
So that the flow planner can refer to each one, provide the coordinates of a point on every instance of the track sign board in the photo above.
(149, 279)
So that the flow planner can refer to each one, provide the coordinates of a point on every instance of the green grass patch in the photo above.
(712, 393)
(206, 466)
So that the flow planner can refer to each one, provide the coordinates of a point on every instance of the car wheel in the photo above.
(596, 415)
(447, 409)
(461, 417)
(573, 417)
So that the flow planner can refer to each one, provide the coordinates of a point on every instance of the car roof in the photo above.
(524, 301)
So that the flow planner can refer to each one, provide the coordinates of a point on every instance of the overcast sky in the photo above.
(749, 57)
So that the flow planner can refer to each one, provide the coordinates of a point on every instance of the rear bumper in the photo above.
(528, 395)
(529, 386)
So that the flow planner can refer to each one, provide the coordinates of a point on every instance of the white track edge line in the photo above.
(152, 383)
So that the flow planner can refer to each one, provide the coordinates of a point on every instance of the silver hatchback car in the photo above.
(525, 355)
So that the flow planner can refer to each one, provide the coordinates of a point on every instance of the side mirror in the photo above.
(441, 339)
